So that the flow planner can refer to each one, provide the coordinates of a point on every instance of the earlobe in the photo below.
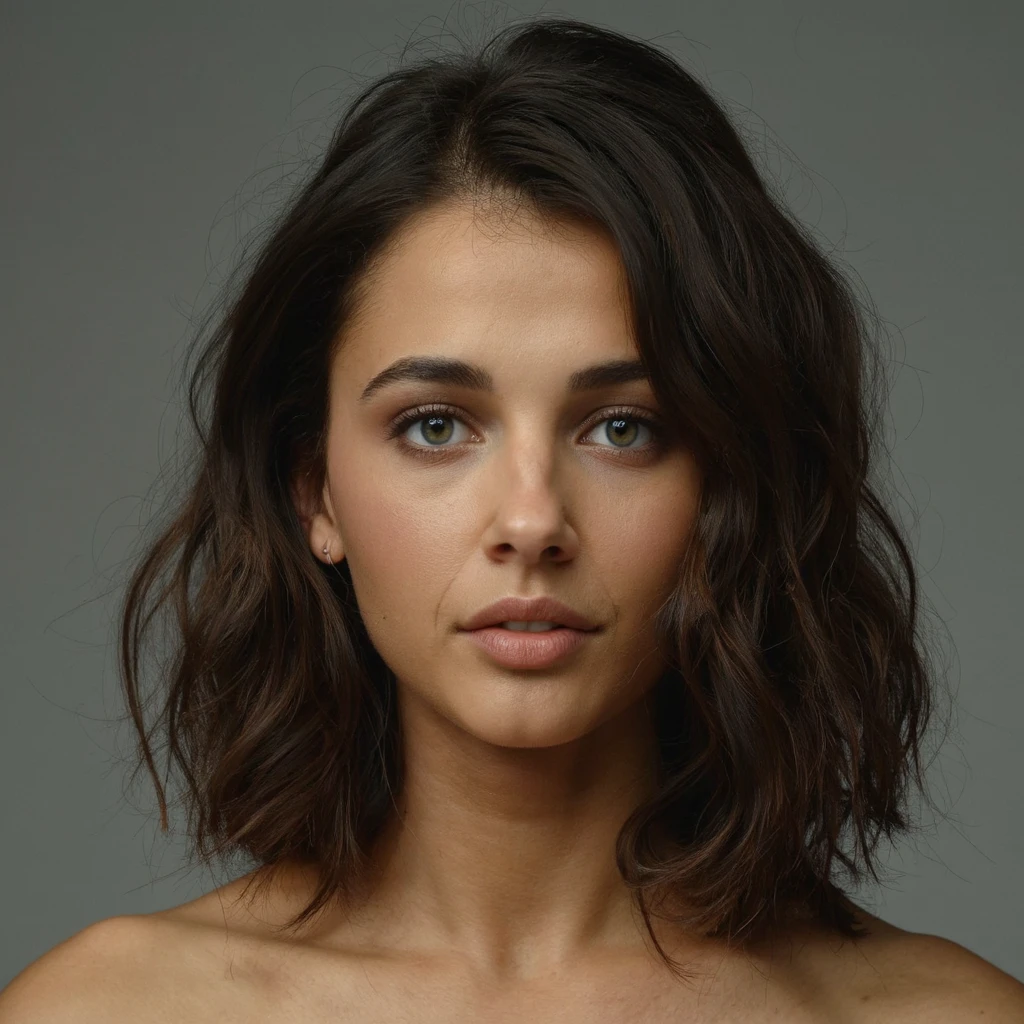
(332, 553)
(323, 539)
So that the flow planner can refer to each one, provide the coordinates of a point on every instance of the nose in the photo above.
(529, 521)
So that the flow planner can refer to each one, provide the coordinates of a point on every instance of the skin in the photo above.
(517, 780)
(495, 895)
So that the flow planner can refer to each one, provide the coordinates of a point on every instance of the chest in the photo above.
(366, 991)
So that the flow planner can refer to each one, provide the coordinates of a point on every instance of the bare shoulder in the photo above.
(896, 975)
(85, 978)
(941, 981)
(156, 968)
(205, 960)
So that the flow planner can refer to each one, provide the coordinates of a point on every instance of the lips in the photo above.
(533, 609)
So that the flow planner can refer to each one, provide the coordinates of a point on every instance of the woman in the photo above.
(545, 645)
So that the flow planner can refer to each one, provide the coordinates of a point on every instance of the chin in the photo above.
(525, 716)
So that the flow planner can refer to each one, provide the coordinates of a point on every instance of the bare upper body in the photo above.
(515, 787)
(212, 959)
(499, 897)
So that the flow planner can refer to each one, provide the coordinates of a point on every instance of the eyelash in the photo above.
(439, 409)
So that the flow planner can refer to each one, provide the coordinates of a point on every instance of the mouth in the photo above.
(535, 613)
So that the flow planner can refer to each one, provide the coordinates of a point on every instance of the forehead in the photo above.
(468, 281)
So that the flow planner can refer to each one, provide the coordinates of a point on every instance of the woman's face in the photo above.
(526, 488)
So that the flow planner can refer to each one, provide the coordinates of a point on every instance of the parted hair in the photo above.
(791, 719)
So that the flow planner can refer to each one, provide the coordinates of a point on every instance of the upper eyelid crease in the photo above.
(419, 412)
(459, 373)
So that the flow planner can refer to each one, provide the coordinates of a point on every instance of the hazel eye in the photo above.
(625, 429)
(427, 430)
(434, 428)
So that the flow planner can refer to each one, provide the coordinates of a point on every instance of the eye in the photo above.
(434, 426)
(622, 428)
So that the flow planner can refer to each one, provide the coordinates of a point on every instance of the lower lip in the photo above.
(518, 648)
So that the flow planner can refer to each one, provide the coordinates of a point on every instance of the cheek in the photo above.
(401, 553)
(639, 542)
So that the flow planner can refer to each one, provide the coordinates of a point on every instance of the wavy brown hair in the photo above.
(790, 722)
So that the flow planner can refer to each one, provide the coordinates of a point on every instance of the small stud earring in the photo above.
(328, 554)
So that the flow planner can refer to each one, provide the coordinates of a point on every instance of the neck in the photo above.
(506, 856)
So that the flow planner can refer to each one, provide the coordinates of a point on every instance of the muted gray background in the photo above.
(142, 142)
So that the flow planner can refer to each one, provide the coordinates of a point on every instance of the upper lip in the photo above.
(529, 609)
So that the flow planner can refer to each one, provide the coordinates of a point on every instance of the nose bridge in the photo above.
(529, 511)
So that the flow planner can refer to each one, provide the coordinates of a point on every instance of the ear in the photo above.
(316, 518)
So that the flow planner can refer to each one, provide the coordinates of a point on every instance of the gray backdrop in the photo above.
(142, 142)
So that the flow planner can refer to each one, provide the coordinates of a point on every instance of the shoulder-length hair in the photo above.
(791, 720)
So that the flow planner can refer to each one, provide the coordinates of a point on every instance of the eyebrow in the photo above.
(458, 373)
